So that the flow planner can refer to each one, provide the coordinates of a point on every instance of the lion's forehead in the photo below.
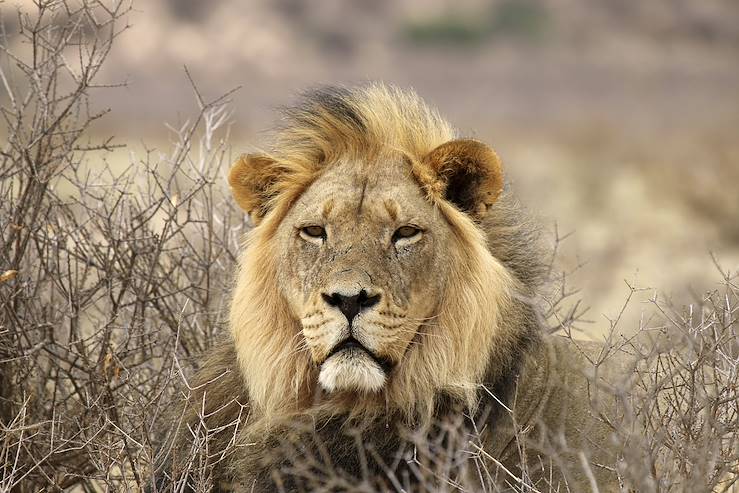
(349, 194)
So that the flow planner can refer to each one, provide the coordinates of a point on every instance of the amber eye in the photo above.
(313, 233)
(406, 233)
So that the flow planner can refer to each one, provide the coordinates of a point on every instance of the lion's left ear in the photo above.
(465, 172)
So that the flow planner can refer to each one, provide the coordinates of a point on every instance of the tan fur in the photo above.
(449, 355)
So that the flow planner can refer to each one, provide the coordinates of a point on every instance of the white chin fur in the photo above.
(351, 369)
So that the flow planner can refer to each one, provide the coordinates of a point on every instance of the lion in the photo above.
(386, 305)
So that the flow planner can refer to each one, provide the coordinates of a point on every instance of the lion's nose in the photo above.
(350, 306)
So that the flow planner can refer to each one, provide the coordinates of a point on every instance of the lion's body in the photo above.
(386, 304)
(551, 394)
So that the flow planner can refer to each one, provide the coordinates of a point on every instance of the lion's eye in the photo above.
(313, 233)
(406, 234)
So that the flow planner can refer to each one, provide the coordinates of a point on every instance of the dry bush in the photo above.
(108, 272)
(678, 420)
(113, 283)
(681, 427)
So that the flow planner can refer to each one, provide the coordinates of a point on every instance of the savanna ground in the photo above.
(617, 126)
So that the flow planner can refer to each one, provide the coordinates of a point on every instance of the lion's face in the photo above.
(367, 274)
(362, 268)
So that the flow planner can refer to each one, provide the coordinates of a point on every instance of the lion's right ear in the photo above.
(252, 179)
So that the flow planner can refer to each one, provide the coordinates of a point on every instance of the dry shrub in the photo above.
(110, 272)
(681, 427)
(113, 281)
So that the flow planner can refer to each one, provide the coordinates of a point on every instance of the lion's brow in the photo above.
(361, 197)
(392, 209)
(328, 206)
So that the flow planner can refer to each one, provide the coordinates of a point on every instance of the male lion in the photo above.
(384, 330)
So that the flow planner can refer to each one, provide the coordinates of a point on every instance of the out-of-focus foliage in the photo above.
(525, 20)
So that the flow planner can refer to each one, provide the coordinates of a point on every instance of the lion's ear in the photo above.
(252, 179)
(465, 172)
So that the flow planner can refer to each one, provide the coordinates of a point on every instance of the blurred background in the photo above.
(617, 121)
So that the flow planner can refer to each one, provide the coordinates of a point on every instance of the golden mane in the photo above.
(361, 125)
(330, 123)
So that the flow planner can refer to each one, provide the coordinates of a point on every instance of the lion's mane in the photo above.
(361, 124)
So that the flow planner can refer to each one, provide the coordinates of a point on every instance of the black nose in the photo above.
(350, 306)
